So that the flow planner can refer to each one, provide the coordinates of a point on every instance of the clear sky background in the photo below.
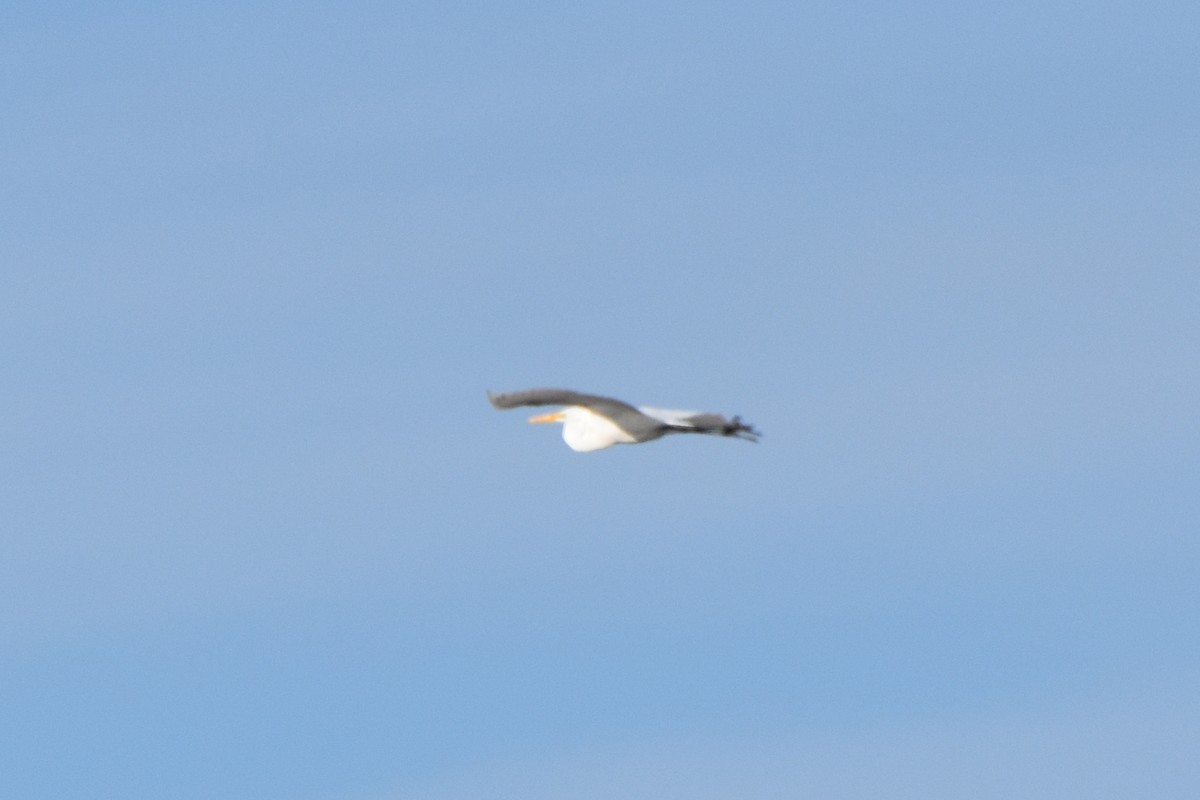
(263, 537)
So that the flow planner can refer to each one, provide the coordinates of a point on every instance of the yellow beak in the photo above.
(555, 416)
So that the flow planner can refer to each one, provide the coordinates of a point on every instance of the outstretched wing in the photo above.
(607, 406)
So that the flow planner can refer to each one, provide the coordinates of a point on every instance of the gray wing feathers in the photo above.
(559, 397)
(641, 427)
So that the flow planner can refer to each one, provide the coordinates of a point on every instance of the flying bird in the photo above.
(591, 422)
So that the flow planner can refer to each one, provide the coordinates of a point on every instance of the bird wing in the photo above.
(670, 416)
(607, 406)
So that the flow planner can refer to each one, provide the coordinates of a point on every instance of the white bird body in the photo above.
(591, 422)
(584, 430)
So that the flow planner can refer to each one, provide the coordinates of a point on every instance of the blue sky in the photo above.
(265, 538)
